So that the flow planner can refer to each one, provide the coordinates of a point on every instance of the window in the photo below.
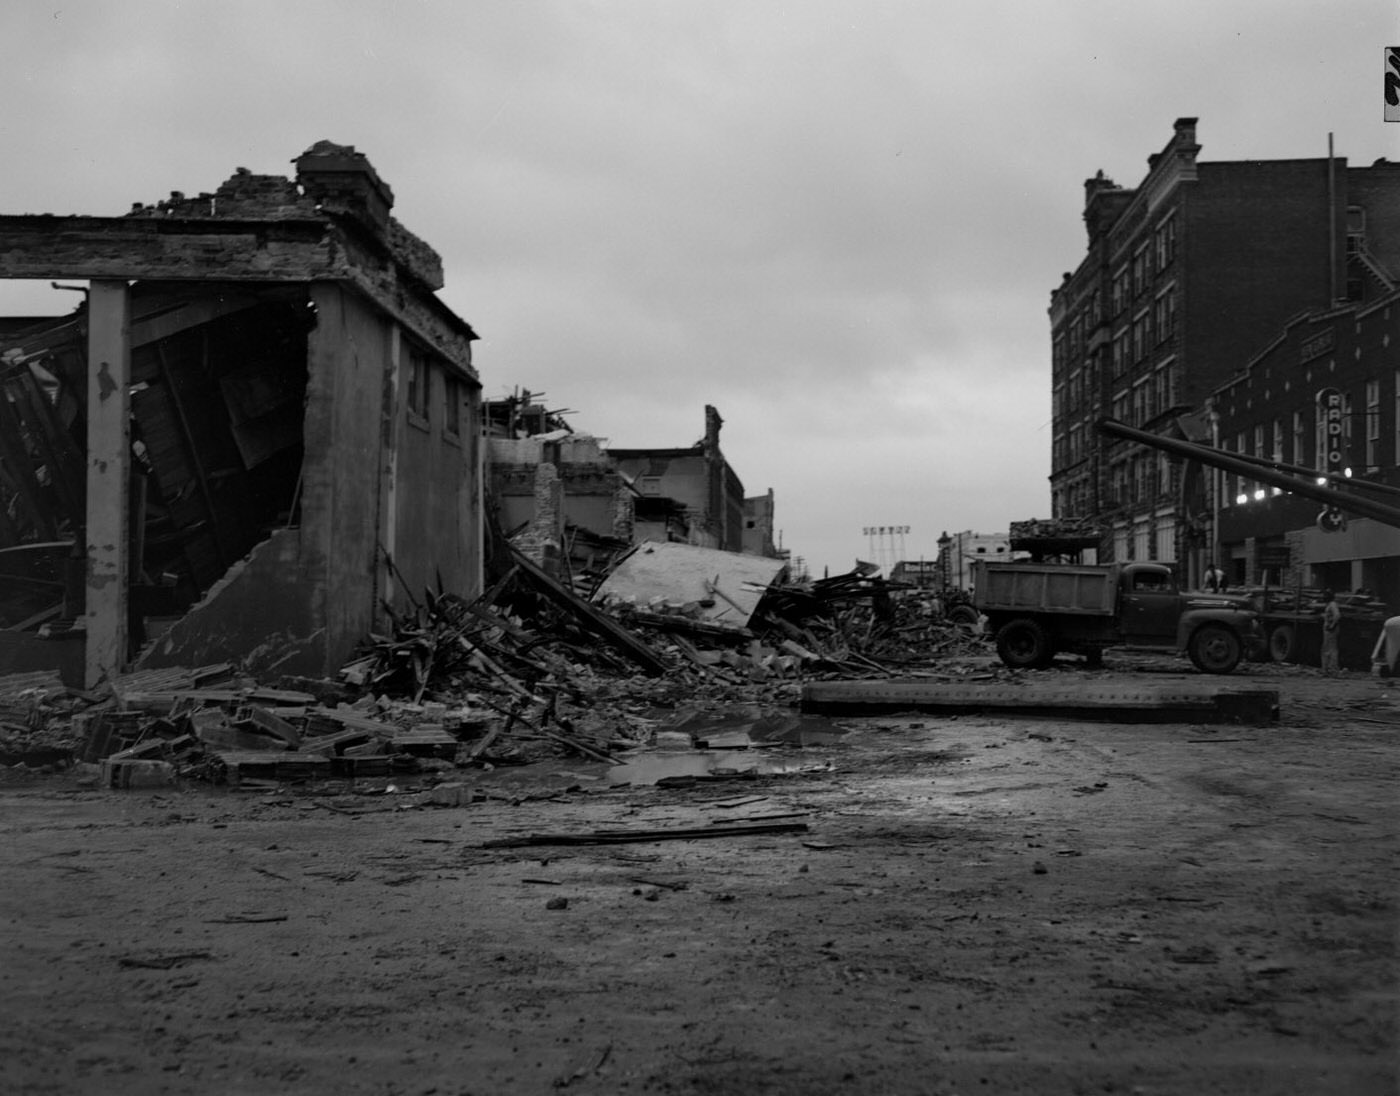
(1166, 544)
(1278, 441)
(1165, 240)
(1396, 454)
(1164, 316)
(1300, 433)
(1162, 385)
(1356, 229)
(1373, 425)
(1118, 292)
(1140, 268)
(452, 408)
(418, 383)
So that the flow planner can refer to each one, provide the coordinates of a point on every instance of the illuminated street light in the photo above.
(1241, 499)
(1259, 495)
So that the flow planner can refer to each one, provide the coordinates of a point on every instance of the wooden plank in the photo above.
(21, 468)
(592, 619)
(62, 454)
(1179, 702)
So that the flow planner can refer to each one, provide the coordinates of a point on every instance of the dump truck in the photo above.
(1037, 610)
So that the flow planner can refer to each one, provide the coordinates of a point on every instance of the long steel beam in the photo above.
(1214, 458)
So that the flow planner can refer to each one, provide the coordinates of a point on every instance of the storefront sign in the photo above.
(1318, 345)
(1330, 408)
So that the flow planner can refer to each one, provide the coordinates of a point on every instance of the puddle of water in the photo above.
(649, 768)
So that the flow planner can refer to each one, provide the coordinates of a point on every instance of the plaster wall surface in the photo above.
(437, 492)
(260, 614)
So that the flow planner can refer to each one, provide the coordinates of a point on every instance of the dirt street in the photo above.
(977, 905)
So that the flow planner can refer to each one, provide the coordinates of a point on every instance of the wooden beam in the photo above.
(1176, 703)
(590, 618)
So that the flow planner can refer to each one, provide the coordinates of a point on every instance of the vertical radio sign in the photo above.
(1392, 83)
(1330, 408)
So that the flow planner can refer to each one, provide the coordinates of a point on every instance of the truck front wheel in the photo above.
(1024, 643)
(1214, 649)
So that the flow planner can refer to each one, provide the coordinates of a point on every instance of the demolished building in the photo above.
(258, 432)
(574, 505)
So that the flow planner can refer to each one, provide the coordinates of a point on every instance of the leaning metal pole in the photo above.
(1214, 458)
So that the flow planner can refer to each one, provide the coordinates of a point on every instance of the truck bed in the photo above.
(1056, 588)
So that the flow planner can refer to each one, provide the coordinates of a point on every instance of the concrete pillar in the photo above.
(385, 584)
(108, 479)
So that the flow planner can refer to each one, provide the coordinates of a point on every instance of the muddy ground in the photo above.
(977, 905)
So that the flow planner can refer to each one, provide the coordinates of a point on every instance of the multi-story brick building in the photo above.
(1184, 279)
(1337, 366)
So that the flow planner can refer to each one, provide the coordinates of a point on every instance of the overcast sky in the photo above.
(838, 222)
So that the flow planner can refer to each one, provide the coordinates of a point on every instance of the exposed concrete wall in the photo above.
(685, 478)
(259, 614)
(437, 488)
(347, 354)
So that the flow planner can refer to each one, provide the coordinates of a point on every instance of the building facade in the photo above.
(959, 551)
(1184, 278)
(262, 424)
(1324, 396)
(699, 479)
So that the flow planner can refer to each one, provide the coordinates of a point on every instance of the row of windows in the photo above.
(1150, 396)
(1152, 257)
(419, 373)
(1301, 441)
(1150, 328)
(1141, 480)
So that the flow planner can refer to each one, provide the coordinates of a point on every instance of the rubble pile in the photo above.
(525, 671)
(36, 712)
(859, 624)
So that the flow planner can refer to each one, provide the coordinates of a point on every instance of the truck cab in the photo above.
(1149, 605)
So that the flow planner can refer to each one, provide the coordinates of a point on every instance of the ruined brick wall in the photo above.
(543, 538)
(624, 513)
(244, 196)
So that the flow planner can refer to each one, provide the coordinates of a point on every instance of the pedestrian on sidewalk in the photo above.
(1331, 629)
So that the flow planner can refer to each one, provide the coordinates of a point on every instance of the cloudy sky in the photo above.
(838, 221)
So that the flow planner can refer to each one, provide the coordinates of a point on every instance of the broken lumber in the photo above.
(591, 619)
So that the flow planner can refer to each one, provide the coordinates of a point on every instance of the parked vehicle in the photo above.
(1292, 624)
(1036, 610)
